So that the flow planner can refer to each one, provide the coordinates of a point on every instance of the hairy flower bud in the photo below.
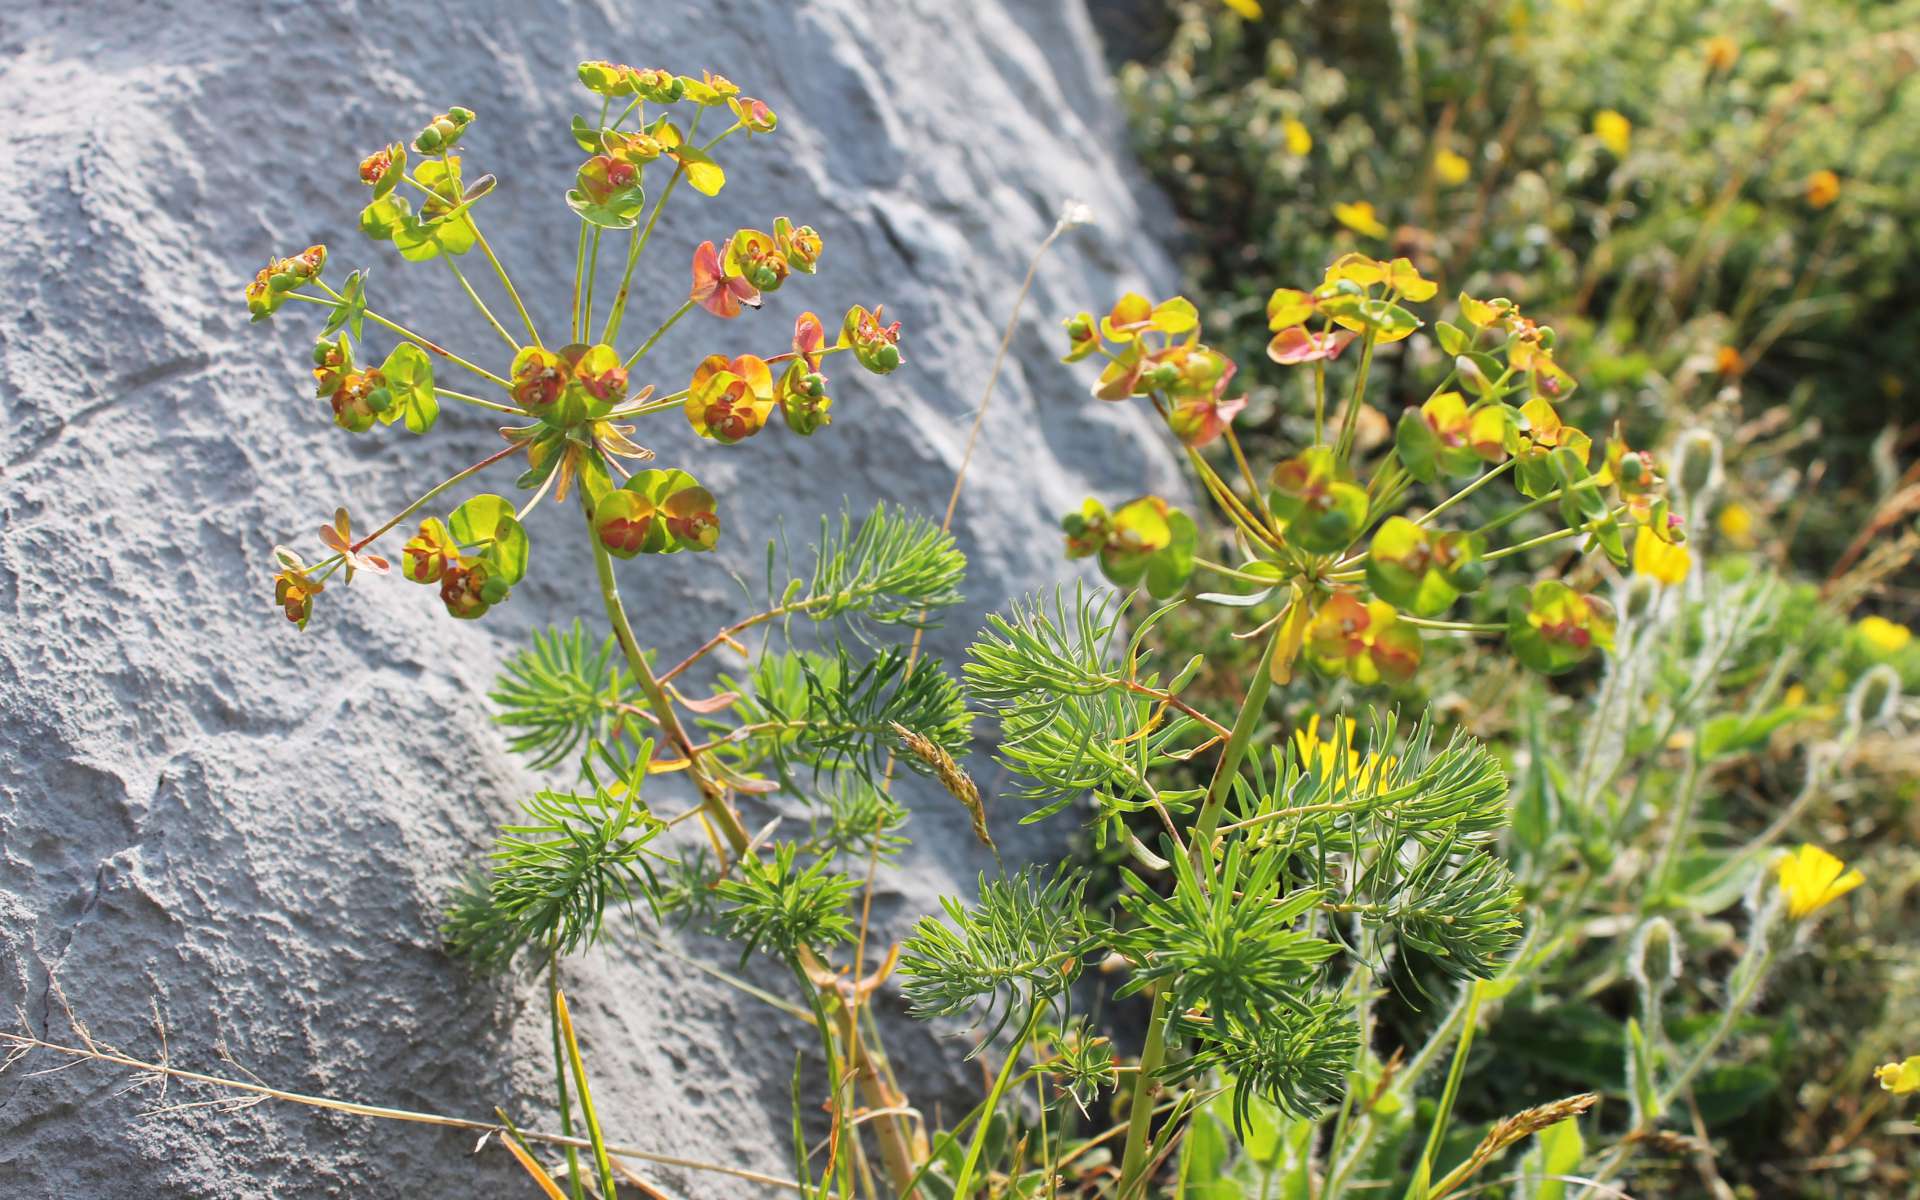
(1874, 696)
(1698, 454)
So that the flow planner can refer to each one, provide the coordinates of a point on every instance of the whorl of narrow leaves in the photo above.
(1082, 1062)
(559, 693)
(831, 713)
(1068, 723)
(1031, 650)
(859, 820)
(1018, 945)
(774, 903)
(1394, 789)
(892, 569)
(1231, 950)
(1296, 1057)
(1459, 908)
(1415, 815)
(551, 876)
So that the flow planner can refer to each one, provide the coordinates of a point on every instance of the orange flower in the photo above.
(716, 291)
(729, 401)
(1823, 188)
(1296, 344)
(809, 338)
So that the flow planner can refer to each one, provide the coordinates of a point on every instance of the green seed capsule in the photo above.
(1468, 576)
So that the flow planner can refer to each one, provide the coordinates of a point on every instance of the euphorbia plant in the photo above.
(1244, 885)
(573, 392)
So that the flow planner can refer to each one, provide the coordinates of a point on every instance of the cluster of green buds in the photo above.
(441, 133)
(400, 388)
(282, 276)
(570, 400)
(1356, 576)
(476, 555)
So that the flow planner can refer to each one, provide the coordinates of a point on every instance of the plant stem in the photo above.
(600, 1161)
(476, 401)
(478, 302)
(897, 1152)
(1140, 1112)
(1452, 1090)
(579, 280)
(980, 1128)
(459, 198)
(1464, 492)
(1319, 402)
(1454, 626)
(1514, 514)
(1174, 702)
(1349, 420)
(424, 343)
(1246, 472)
(649, 407)
(95, 1053)
(835, 1114)
(639, 246)
(1682, 817)
(1533, 543)
(1231, 573)
(727, 635)
(1735, 1009)
(560, 1075)
(658, 333)
(713, 795)
(1133, 1160)
(1228, 769)
(636, 246)
(1257, 534)
(435, 490)
(593, 278)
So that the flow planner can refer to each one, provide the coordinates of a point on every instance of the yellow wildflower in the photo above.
(1721, 52)
(1728, 361)
(1811, 879)
(1614, 131)
(1360, 217)
(1323, 755)
(1299, 139)
(1736, 524)
(1823, 188)
(1250, 9)
(1450, 168)
(1884, 637)
(1900, 1078)
(1659, 560)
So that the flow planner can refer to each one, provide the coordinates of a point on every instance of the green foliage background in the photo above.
(1701, 236)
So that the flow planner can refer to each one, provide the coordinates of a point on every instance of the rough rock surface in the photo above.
(248, 833)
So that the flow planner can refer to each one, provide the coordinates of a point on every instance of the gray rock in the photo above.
(250, 833)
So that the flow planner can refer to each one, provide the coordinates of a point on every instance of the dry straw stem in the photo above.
(1509, 1130)
(23, 1044)
(958, 783)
